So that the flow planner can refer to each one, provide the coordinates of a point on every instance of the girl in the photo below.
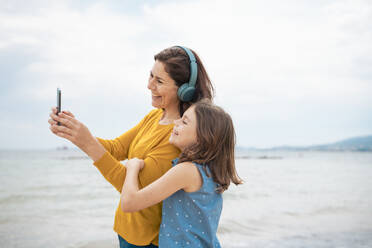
(192, 188)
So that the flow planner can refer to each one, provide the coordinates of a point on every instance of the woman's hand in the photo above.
(76, 132)
(70, 128)
(135, 163)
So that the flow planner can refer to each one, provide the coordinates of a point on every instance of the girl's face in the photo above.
(163, 88)
(184, 130)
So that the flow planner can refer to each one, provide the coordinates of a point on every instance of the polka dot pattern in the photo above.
(191, 219)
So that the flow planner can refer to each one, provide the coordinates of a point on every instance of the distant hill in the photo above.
(361, 143)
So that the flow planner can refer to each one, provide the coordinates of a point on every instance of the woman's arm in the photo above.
(181, 176)
(157, 161)
(76, 132)
(105, 153)
(117, 147)
(107, 164)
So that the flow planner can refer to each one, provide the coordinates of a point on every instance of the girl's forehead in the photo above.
(190, 113)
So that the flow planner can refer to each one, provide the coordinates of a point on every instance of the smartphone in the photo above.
(59, 95)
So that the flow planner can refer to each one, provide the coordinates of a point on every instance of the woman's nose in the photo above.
(150, 84)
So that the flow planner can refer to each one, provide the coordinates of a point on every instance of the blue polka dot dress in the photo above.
(191, 219)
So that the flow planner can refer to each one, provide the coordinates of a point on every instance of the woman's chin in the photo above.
(156, 104)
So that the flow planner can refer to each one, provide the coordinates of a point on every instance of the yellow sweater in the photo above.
(149, 141)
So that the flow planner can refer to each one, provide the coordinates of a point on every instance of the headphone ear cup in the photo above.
(180, 91)
(186, 92)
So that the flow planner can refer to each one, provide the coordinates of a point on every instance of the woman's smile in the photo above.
(155, 97)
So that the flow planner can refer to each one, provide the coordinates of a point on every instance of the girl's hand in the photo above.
(135, 163)
(71, 129)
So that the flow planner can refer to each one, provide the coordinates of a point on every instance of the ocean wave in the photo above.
(330, 210)
(72, 158)
(47, 197)
(258, 157)
(242, 227)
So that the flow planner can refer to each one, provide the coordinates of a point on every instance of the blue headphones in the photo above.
(186, 91)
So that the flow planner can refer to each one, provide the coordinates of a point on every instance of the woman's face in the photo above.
(184, 130)
(163, 87)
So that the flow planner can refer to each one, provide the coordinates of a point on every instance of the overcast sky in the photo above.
(289, 72)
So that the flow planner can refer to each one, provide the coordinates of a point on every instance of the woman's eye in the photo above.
(184, 122)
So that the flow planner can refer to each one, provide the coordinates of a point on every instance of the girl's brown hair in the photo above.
(215, 146)
(177, 65)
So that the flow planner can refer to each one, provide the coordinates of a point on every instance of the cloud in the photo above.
(279, 67)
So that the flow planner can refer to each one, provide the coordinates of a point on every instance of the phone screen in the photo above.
(58, 102)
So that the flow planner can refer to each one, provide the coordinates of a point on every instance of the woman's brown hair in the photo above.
(177, 65)
(215, 146)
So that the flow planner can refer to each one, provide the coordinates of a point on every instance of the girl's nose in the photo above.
(176, 122)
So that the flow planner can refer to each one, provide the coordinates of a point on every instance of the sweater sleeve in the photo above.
(112, 170)
(117, 150)
(157, 162)
(119, 146)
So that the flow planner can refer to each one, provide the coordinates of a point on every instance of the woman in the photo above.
(177, 79)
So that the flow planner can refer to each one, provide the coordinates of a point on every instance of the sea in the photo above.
(58, 198)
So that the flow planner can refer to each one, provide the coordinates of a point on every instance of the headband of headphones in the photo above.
(193, 66)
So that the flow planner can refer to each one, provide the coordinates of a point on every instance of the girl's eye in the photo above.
(184, 122)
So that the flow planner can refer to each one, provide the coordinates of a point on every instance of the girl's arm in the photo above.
(182, 176)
